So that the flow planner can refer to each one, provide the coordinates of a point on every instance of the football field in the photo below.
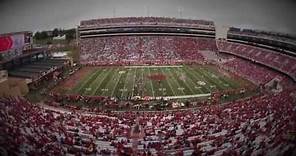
(153, 81)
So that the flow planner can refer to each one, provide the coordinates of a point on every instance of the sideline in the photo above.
(176, 66)
(185, 96)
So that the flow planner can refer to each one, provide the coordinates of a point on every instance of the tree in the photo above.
(70, 34)
(74, 53)
(43, 35)
(37, 35)
(55, 32)
(49, 42)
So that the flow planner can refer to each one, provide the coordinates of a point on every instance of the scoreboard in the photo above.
(13, 44)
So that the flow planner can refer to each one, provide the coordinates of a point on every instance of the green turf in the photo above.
(123, 82)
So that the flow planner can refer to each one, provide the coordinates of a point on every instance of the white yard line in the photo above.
(143, 83)
(151, 84)
(185, 82)
(82, 86)
(82, 90)
(199, 78)
(134, 82)
(128, 73)
(176, 81)
(116, 84)
(190, 79)
(219, 83)
(98, 86)
(187, 96)
(169, 84)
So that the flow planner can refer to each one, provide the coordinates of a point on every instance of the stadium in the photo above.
(150, 86)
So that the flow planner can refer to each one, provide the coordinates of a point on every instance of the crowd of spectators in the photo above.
(261, 125)
(144, 48)
(282, 62)
(254, 72)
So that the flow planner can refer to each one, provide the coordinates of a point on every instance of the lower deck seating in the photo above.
(260, 125)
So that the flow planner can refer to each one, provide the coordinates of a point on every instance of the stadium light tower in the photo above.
(180, 11)
(77, 35)
(114, 12)
(147, 11)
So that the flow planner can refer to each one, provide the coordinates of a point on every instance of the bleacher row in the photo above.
(253, 72)
(143, 48)
(265, 35)
(262, 125)
(37, 69)
(281, 62)
(159, 21)
(173, 22)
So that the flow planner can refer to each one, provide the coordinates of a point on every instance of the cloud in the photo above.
(271, 15)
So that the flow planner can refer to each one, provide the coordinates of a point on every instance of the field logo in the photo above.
(157, 77)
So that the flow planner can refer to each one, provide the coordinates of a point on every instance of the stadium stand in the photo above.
(258, 74)
(262, 34)
(280, 62)
(278, 41)
(255, 126)
(38, 69)
(143, 48)
(159, 21)
(263, 124)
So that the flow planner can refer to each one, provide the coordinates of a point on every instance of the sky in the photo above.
(36, 15)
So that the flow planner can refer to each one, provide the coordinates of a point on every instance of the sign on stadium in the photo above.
(13, 44)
